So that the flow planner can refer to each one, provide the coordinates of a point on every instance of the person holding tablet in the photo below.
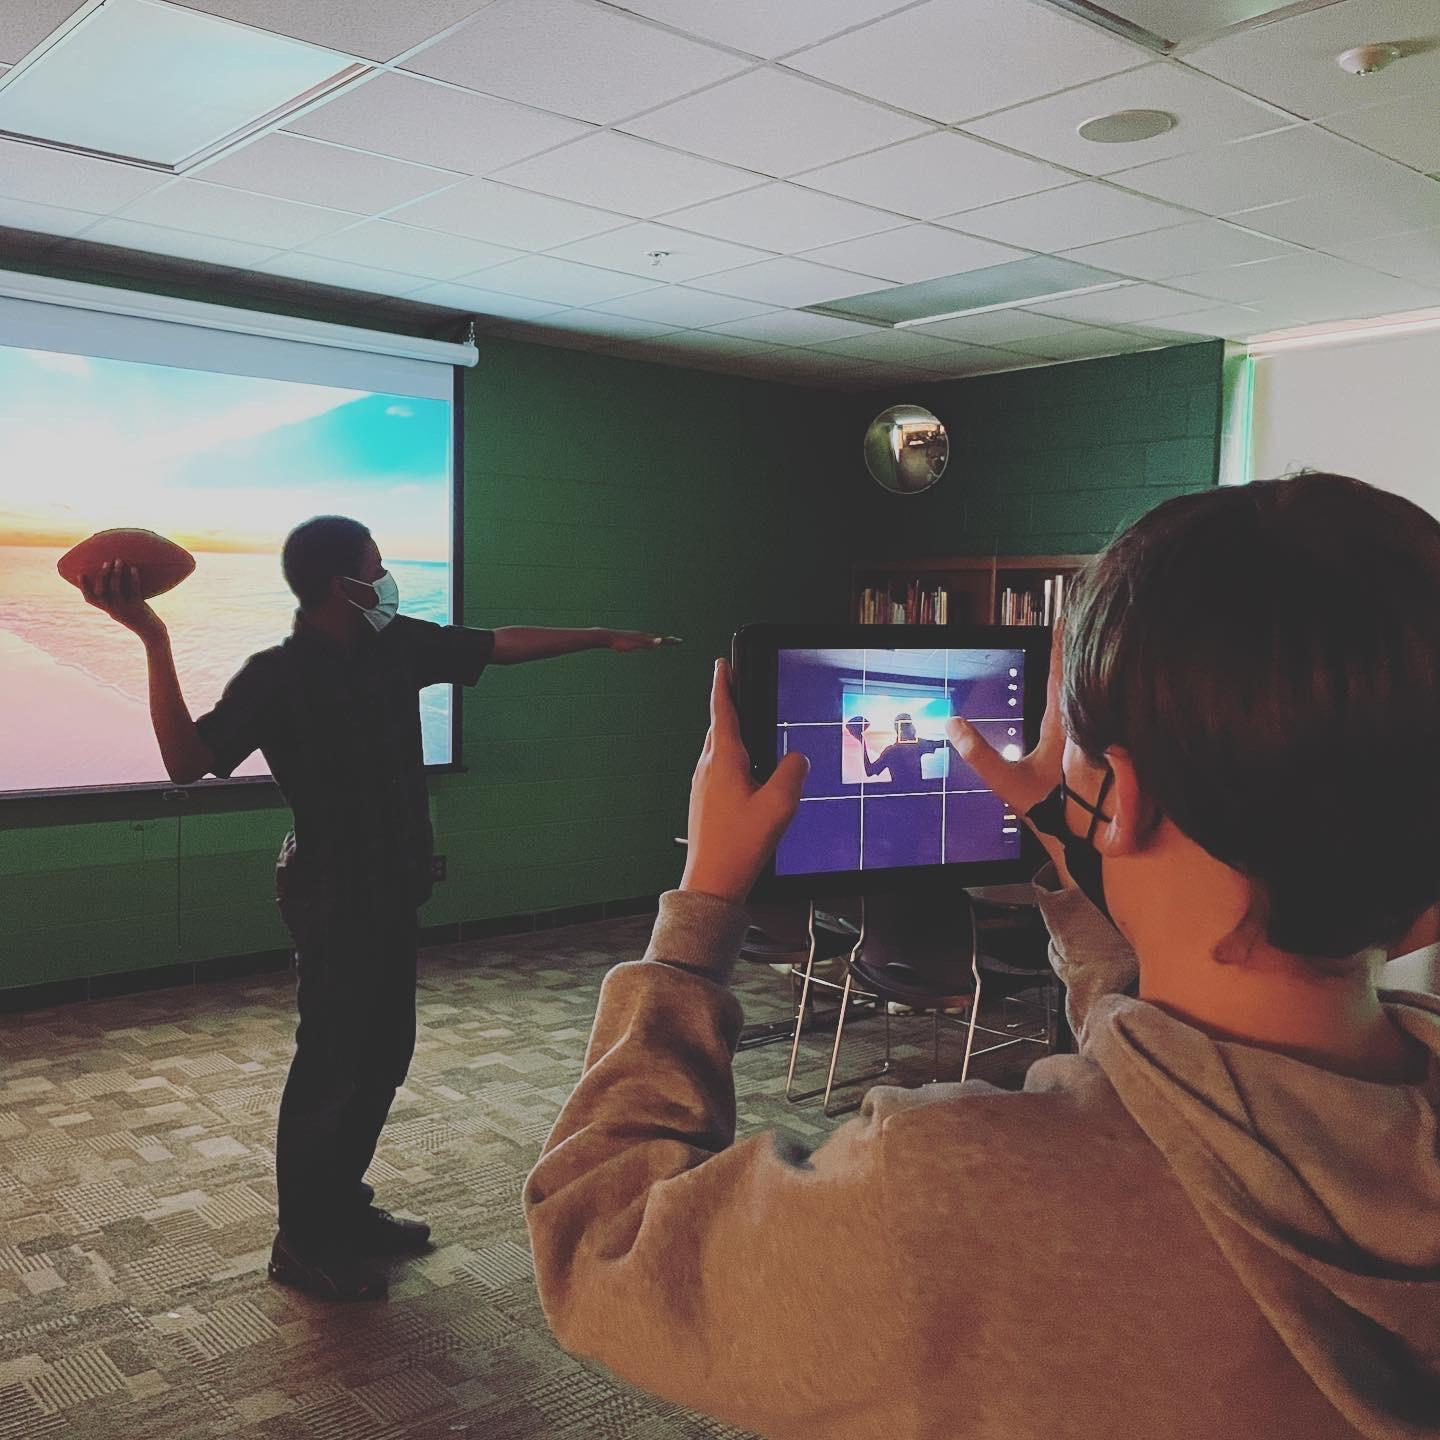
(1219, 1217)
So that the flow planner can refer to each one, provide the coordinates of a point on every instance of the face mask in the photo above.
(387, 600)
(1082, 859)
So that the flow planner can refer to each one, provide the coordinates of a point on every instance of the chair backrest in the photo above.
(930, 931)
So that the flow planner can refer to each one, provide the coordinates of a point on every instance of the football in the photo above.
(162, 563)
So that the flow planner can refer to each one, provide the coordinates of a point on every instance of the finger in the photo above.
(723, 720)
(979, 754)
(780, 794)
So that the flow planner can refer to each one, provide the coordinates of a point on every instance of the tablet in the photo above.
(888, 801)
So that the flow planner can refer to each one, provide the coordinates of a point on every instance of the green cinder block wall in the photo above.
(1048, 461)
(609, 492)
(596, 492)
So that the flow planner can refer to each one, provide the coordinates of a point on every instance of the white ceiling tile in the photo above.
(934, 59)
(72, 182)
(1405, 130)
(1014, 328)
(321, 270)
(905, 346)
(295, 168)
(937, 174)
(1161, 254)
(956, 360)
(542, 332)
(686, 255)
(506, 216)
(914, 252)
(373, 29)
(44, 219)
(783, 218)
(633, 177)
(1084, 342)
(737, 122)
(597, 324)
(791, 282)
(1207, 113)
(411, 250)
(685, 307)
(1125, 306)
(704, 343)
(1260, 171)
(763, 27)
(1415, 256)
(574, 59)
(793, 327)
(1083, 214)
(23, 27)
(413, 118)
(473, 300)
(1227, 322)
(1315, 287)
(538, 277)
(157, 240)
(235, 214)
(1394, 202)
(1292, 62)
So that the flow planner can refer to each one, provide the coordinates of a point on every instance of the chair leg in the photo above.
(935, 1044)
(970, 1029)
(799, 1024)
(839, 1035)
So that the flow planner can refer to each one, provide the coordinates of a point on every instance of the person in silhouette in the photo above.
(904, 757)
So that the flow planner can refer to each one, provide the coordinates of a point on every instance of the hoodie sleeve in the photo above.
(1091, 957)
(685, 1263)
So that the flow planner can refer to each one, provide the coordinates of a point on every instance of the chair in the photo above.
(780, 937)
(922, 951)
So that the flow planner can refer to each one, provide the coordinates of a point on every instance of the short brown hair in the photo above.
(1269, 655)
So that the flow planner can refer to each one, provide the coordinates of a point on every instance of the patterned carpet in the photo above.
(136, 1186)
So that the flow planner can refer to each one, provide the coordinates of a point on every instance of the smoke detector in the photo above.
(1367, 59)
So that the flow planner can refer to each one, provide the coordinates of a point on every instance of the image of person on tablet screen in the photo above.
(334, 708)
(903, 758)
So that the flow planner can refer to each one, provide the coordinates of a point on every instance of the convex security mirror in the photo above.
(906, 449)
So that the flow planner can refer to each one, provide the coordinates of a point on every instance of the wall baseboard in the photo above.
(46, 995)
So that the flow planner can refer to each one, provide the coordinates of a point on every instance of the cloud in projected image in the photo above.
(217, 462)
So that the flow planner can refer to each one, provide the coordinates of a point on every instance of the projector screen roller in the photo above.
(224, 464)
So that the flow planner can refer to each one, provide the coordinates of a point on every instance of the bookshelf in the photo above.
(963, 589)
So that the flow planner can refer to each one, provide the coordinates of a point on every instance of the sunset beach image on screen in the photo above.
(224, 465)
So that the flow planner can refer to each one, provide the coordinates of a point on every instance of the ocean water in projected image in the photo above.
(224, 465)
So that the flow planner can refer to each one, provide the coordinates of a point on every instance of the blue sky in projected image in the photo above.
(217, 462)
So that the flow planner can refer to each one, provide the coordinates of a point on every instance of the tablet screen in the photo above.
(885, 788)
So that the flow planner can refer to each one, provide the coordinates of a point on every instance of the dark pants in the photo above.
(355, 961)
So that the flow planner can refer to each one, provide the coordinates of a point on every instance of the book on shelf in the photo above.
(920, 605)
(1029, 605)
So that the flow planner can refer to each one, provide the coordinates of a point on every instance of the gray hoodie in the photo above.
(1162, 1236)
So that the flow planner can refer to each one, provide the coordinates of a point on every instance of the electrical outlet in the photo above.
(437, 867)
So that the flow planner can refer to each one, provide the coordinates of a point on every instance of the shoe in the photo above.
(378, 1232)
(333, 1274)
(367, 1193)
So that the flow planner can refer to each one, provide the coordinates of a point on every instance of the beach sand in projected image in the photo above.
(75, 711)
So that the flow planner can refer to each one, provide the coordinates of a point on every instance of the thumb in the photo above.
(780, 794)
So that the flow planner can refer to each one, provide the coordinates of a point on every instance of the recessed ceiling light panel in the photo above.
(161, 86)
(1125, 127)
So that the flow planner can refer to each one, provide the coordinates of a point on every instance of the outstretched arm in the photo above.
(515, 644)
(115, 591)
